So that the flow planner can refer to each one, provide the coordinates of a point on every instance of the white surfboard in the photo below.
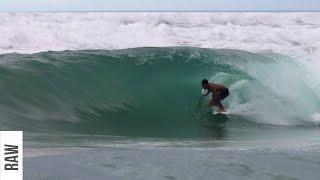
(216, 112)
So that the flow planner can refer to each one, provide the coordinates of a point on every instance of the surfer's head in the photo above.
(205, 84)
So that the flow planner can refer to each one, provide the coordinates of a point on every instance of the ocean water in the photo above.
(118, 95)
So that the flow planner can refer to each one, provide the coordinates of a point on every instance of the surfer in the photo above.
(219, 92)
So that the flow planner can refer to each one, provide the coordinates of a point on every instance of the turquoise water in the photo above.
(123, 109)
(151, 92)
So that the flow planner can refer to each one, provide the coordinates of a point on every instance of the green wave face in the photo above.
(152, 92)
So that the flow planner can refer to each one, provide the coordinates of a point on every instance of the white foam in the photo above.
(287, 33)
(316, 118)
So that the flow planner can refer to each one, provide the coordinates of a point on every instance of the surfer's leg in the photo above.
(221, 108)
(217, 103)
(223, 95)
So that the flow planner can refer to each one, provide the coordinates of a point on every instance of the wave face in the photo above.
(151, 91)
(286, 33)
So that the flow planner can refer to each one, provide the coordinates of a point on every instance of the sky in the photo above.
(158, 5)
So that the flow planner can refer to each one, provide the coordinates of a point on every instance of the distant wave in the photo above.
(295, 34)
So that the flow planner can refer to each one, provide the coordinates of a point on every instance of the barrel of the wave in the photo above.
(149, 92)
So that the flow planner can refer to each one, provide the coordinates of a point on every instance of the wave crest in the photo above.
(287, 33)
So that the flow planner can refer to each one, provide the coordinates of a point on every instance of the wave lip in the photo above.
(287, 33)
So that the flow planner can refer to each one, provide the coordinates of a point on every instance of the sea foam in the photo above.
(295, 34)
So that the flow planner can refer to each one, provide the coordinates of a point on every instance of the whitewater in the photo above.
(293, 33)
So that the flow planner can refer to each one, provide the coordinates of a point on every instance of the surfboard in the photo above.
(214, 113)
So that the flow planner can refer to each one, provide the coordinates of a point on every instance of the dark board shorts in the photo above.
(224, 94)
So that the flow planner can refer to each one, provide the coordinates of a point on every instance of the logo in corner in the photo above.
(11, 155)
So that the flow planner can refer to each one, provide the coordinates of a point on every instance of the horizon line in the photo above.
(40, 11)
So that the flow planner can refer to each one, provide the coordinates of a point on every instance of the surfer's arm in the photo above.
(206, 94)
